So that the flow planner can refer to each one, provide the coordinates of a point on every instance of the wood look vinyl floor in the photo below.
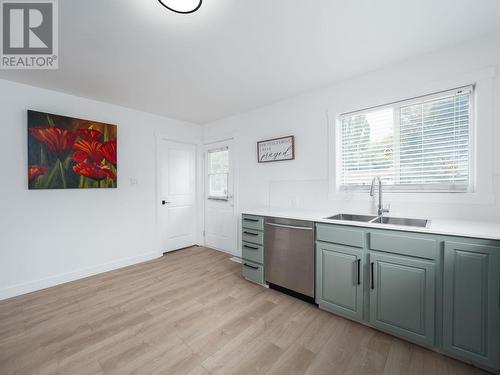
(190, 312)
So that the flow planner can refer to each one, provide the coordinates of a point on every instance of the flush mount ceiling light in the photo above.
(181, 6)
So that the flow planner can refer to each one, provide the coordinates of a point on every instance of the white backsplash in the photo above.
(314, 195)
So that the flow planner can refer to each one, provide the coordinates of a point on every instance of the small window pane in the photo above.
(435, 142)
(218, 173)
(367, 144)
(218, 185)
(218, 161)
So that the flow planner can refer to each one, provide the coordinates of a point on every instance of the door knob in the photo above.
(164, 202)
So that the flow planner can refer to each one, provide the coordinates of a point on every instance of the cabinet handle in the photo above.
(371, 276)
(251, 247)
(359, 271)
(252, 220)
(250, 233)
(250, 266)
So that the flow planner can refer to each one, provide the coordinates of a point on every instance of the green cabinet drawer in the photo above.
(402, 292)
(252, 222)
(252, 236)
(252, 271)
(471, 315)
(405, 244)
(252, 252)
(340, 235)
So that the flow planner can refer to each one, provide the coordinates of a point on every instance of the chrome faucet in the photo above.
(381, 208)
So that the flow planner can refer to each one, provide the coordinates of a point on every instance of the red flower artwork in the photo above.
(95, 171)
(108, 149)
(57, 140)
(90, 135)
(36, 170)
(89, 151)
(70, 153)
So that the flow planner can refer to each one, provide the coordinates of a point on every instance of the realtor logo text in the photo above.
(29, 34)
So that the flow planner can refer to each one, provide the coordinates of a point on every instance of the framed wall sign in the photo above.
(276, 149)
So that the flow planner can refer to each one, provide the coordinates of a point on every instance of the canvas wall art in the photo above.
(70, 153)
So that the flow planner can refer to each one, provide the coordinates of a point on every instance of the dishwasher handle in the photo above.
(289, 226)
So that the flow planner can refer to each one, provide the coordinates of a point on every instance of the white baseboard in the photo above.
(222, 251)
(235, 259)
(31, 286)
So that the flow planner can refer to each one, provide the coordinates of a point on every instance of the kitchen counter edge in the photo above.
(461, 228)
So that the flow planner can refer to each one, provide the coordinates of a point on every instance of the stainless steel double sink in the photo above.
(421, 223)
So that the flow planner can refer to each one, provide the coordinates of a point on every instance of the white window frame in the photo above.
(217, 198)
(396, 105)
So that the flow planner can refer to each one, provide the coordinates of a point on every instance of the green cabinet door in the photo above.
(471, 312)
(402, 292)
(339, 279)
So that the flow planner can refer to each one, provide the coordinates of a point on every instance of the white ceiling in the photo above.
(235, 55)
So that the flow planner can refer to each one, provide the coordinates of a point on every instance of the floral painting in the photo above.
(67, 153)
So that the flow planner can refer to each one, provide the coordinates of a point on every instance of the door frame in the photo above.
(163, 136)
(233, 160)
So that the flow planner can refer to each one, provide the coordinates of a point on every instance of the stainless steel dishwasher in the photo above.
(289, 255)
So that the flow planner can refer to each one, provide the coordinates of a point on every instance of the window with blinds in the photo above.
(422, 144)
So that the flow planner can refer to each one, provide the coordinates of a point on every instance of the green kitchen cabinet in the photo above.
(471, 302)
(402, 296)
(340, 235)
(252, 222)
(252, 248)
(253, 272)
(253, 253)
(339, 285)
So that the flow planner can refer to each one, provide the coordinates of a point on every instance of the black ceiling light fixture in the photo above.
(181, 6)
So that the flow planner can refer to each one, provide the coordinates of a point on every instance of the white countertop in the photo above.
(464, 228)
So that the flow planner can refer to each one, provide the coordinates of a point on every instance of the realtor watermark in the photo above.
(29, 37)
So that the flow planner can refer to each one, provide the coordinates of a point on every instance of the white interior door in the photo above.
(177, 194)
(220, 220)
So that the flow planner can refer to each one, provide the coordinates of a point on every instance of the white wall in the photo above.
(305, 182)
(53, 236)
